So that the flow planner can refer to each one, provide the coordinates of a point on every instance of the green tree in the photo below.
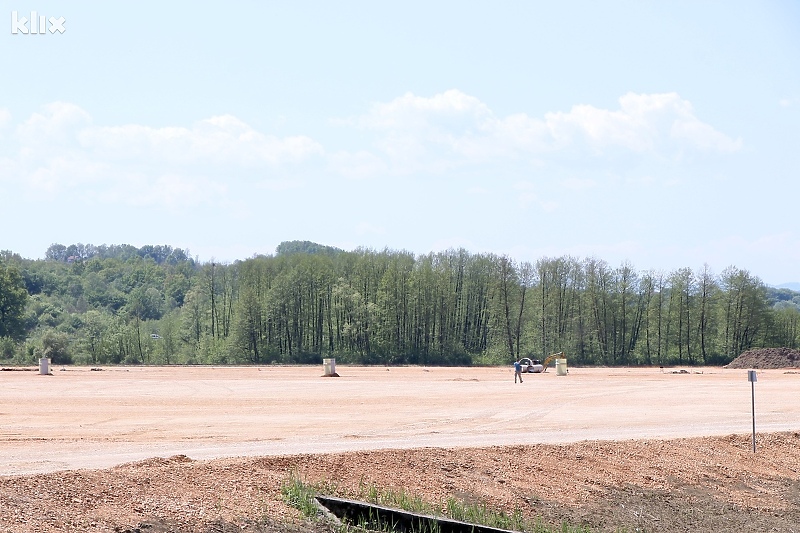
(168, 337)
(745, 309)
(13, 298)
(785, 327)
(55, 345)
(95, 328)
(707, 289)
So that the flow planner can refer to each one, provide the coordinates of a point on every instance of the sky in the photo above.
(661, 134)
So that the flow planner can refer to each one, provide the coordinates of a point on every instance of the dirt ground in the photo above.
(206, 449)
(767, 358)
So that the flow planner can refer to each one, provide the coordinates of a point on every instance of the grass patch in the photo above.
(300, 495)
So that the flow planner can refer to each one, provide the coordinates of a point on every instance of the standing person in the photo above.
(517, 371)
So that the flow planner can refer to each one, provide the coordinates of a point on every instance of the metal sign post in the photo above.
(752, 377)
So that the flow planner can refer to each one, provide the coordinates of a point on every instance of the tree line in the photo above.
(156, 305)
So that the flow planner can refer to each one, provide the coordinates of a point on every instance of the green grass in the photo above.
(300, 495)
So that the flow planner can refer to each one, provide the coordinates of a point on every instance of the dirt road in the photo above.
(79, 418)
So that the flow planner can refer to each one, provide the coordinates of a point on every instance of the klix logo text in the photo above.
(36, 24)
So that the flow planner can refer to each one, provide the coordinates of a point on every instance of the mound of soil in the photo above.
(767, 358)
(708, 484)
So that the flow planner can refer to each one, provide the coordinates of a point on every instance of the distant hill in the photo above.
(784, 296)
(305, 247)
(792, 286)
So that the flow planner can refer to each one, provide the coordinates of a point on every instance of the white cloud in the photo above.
(703, 136)
(56, 124)
(410, 112)
(65, 172)
(644, 123)
(453, 129)
(599, 128)
(218, 140)
(437, 133)
(60, 151)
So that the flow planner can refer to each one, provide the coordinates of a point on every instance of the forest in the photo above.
(155, 305)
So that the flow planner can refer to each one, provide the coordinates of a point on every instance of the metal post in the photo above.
(753, 395)
(752, 377)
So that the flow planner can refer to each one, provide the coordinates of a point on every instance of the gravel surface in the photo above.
(559, 448)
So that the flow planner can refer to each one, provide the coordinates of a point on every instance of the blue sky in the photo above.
(665, 134)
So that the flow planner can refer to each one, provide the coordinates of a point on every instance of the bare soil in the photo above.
(206, 450)
(767, 358)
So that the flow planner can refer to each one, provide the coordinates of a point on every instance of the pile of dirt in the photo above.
(705, 484)
(767, 358)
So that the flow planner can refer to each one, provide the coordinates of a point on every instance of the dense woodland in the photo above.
(92, 305)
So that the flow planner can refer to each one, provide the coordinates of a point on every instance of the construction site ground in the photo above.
(202, 449)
